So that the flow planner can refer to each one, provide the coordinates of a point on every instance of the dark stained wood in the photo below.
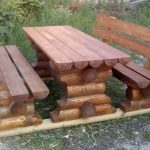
(68, 47)
(125, 27)
(140, 70)
(41, 65)
(15, 85)
(76, 57)
(148, 64)
(109, 54)
(87, 110)
(126, 42)
(33, 81)
(93, 59)
(61, 60)
(130, 77)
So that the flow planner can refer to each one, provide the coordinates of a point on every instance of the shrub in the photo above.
(13, 12)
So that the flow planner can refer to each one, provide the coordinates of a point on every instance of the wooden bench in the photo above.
(137, 39)
(19, 86)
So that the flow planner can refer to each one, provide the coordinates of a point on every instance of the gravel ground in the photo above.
(123, 134)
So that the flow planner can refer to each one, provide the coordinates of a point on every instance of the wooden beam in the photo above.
(124, 41)
(125, 27)
(48, 125)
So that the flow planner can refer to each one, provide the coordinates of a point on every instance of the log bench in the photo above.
(19, 87)
(135, 38)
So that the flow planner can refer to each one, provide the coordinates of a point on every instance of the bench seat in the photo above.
(19, 87)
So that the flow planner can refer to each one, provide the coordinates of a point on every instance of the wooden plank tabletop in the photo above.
(68, 47)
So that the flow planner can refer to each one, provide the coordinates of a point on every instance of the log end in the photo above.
(87, 110)
(54, 115)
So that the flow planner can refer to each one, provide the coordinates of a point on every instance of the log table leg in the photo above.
(136, 99)
(84, 94)
(41, 66)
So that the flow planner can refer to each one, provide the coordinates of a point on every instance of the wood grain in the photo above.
(4, 98)
(109, 54)
(86, 89)
(140, 70)
(125, 27)
(93, 59)
(61, 60)
(133, 94)
(35, 84)
(12, 79)
(19, 121)
(124, 41)
(130, 77)
(72, 114)
(75, 78)
(76, 102)
(80, 61)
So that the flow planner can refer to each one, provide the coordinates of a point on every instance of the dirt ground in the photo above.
(123, 134)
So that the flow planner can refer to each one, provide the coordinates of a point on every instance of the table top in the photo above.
(70, 48)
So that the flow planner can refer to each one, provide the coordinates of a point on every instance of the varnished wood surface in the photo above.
(130, 77)
(68, 47)
(11, 77)
(35, 84)
(125, 27)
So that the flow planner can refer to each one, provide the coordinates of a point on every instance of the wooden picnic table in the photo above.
(81, 64)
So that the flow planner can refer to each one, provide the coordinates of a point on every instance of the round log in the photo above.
(17, 109)
(4, 98)
(23, 108)
(89, 75)
(86, 89)
(72, 114)
(19, 121)
(77, 102)
(75, 78)
(87, 110)
(133, 94)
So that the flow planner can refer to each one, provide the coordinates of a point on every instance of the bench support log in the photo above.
(83, 93)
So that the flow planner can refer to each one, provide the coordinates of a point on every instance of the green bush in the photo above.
(13, 12)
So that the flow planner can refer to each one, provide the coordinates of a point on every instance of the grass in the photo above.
(98, 135)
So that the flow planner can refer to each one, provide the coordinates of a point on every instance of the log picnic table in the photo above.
(80, 64)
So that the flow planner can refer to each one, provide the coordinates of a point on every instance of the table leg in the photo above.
(84, 94)
(41, 66)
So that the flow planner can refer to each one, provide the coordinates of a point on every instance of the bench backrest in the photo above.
(125, 34)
